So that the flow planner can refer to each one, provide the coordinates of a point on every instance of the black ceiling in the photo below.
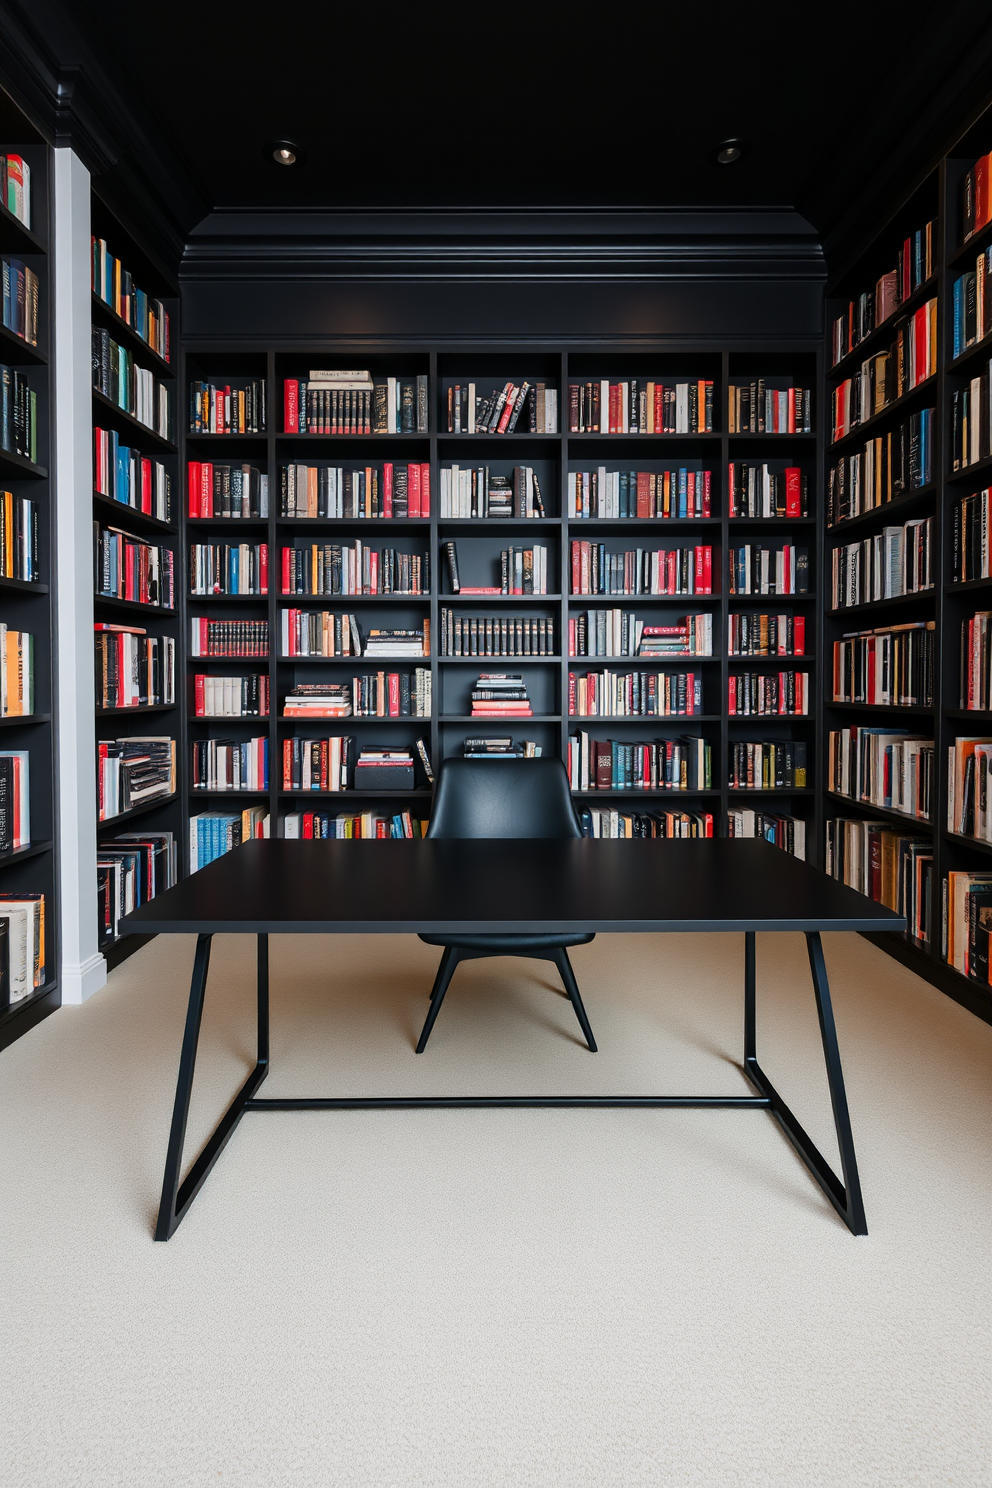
(401, 105)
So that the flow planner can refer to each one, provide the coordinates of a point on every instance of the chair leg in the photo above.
(572, 988)
(445, 972)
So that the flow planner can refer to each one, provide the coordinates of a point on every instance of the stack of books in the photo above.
(500, 695)
(384, 770)
(398, 642)
(503, 748)
(318, 700)
(692, 636)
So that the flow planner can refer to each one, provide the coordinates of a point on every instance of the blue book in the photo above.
(8, 314)
(6, 426)
(121, 462)
(958, 341)
(683, 492)
(234, 579)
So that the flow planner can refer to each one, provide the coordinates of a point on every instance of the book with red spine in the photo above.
(425, 490)
(793, 491)
(387, 488)
(193, 480)
(414, 495)
(291, 406)
(799, 635)
(263, 567)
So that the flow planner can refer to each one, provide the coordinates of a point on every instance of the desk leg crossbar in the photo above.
(177, 1196)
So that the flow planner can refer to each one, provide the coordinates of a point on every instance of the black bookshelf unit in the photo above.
(28, 606)
(141, 432)
(949, 603)
(555, 457)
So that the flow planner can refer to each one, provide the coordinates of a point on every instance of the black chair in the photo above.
(504, 798)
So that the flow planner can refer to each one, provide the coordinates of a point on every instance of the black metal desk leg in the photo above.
(845, 1197)
(176, 1196)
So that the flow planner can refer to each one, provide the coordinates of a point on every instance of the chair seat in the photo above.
(505, 945)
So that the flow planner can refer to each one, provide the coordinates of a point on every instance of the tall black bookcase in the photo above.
(555, 456)
(155, 281)
(29, 606)
(938, 197)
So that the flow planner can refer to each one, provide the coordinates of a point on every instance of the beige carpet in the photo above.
(572, 1298)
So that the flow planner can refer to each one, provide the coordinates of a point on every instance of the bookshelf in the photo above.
(555, 458)
(27, 605)
(137, 496)
(933, 494)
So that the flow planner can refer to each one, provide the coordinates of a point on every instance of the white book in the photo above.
(391, 389)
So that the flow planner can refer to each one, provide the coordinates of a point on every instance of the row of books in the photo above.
(969, 771)
(133, 669)
(766, 635)
(503, 747)
(19, 557)
(971, 420)
(758, 491)
(889, 865)
(914, 266)
(760, 568)
(971, 304)
(220, 408)
(325, 633)
(759, 694)
(596, 570)
(16, 672)
(638, 406)
(20, 300)
(891, 666)
(965, 923)
(521, 571)
(888, 466)
(228, 491)
(22, 946)
(685, 764)
(896, 561)
(531, 408)
(127, 568)
(334, 568)
(778, 828)
(229, 764)
(771, 764)
(604, 822)
(357, 825)
(146, 315)
(976, 198)
(214, 833)
(755, 408)
(883, 378)
(229, 638)
(229, 568)
(15, 186)
(976, 662)
(332, 491)
(971, 542)
(682, 492)
(246, 696)
(621, 633)
(352, 402)
(131, 869)
(476, 492)
(331, 765)
(15, 799)
(373, 695)
(126, 475)
(496, 635)
(133, 772)
(500, 695)
(18, 414)
(609, 694)
(882, 767)
(133, 389)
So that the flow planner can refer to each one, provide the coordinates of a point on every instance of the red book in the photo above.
(614, 408)
(373, 574)
(707, 570)
(707, 511)
(571, 695)
(792, 411)
(394, 694)
(308, 824)
(982, 212)
(576, 568)
(387, 488)
(512, 392)
(263, 567)
(480, 589)
(413, 490)
(732, 694)
(921, 345)
(732, 488)
(698, 575)
(193, 479)
(643, 493)
(603, 755)
(206, 490)
(871, 671)
(799, 635)
(659, 407)
(199, 691)
(425, 490)
(291, 406)
(146, 487)
(793, 490)
(285, 571)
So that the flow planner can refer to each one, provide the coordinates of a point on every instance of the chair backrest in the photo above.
(503, 798)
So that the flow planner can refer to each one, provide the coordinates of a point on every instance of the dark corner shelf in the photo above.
(15, 237)
(130, 337)
(137, 711)
(417, 792)
(16, 720)
(629, 794)
(128, 419)
(901, 817)
(909, 709)
(899, 505)
(33, 850)
(24, 586)
(16, 349)
(975, 843)
(970, 472)
(870, 607)
(17, 466)
(107, 506)
(111, 823)
(132, 606)
(929, 384)
(882, 332)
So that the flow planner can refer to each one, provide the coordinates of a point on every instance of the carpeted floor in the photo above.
(487, 1299)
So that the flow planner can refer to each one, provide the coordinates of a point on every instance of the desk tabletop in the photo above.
(286, 886)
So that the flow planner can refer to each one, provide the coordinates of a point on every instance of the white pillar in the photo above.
(84, 969)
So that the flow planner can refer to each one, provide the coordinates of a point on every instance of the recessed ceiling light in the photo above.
(283, 152)
(730, 151)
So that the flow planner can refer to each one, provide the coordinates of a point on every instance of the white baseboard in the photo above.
(80, 982)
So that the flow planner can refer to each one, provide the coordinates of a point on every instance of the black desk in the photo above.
(293, 887)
